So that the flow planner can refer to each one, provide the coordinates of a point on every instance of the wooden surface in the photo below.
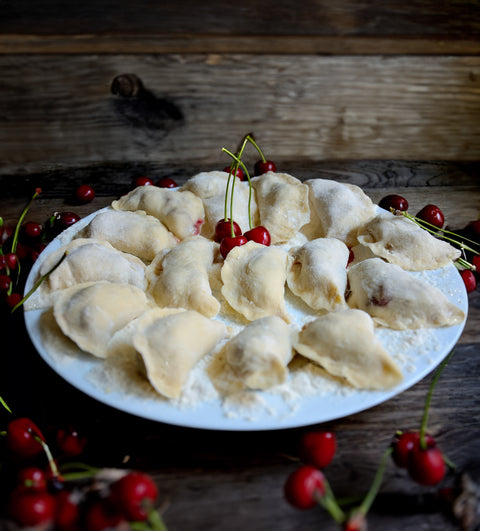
(222, 480)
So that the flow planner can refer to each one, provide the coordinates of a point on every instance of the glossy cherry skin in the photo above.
(228, 243)
(397, 202)
(166, 182)
(133, 495)
(239, 172)
(21, 440)
(262, 166)
(13, 299)
(32, 230)
(11, 260)
(318, 448)
(32, 477)
(426, 467)
(224, 228)
(5, 282)
(469, 280)
(70, 441)
(259, 234)
(304, 487)
(101, 515)
(403, 443)
(31, 507)
(85, 194)
(143, 181)
(63, 220)
(433, 215)
(67, 512)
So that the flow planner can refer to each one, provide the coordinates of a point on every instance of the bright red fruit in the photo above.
(63, 220)
(166, 182)
(21, 435)
(32, 230)
(476, 263)
(85, 193)
(433, 215)
(403, 443)
(262, 166)
(142, 181)
(101, 515)
(318, 448)
(259, 234)
(475, 226)
(304, 487)
(224, 228)
(30, 507)
(239, 172)
(426, 467)
(13, 299)
(67, 511)
(228, 243)
(32, 477)
(469, 280)
(70, 441)
(397, 202)
(11, 260)
(133, 495)
(5, 283)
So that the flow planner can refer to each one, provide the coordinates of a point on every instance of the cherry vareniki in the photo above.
(258, 234)
(304, 487)
(224, 228)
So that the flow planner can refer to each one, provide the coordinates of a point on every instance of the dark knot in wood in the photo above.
(126, 85)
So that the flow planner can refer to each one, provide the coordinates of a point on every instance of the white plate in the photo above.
(418, 351)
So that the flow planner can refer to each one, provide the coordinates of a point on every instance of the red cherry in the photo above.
(30, 507)
(426, 467)
(259, 234)
(397, 202)
(85, 193)
(32, 230)
(32, 477)
(356, 522)
(143, 181)
(304, 487)
(167, 182)
(238, 173)
(21, 435)
(36, 250)
(474, 226)
(67, 512)
(476, 263)
(228, 243)
(262, 166)
(63, 220)
(5, 283)
(318, 448)
(13, 299)
(70, 441)
(433, 215)
(101, 515)
(3, 262)
(351, 257)
(469, 279)
(133, 495)
(11, 260)
(5, 232)
(403, 443)
(224, 228)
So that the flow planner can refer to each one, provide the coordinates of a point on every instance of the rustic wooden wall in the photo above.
(316, 81)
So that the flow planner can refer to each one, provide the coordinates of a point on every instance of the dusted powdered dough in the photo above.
(337, 210)
(211, 187)
(169, 348)
(260, 353)
(402, 242)
(180, 277)
(253, 277)
(345, 345)
(317, 273)
(181, 212)
(86, 260)
(131, 232)
(397, 299)
(90, 314)
(282, 204)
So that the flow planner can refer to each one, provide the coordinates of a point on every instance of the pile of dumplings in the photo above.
(147, 269)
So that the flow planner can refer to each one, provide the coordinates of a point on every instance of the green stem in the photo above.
(5, 405)
(252, 141)
(328, 502)
(51, 461)
(80, 471)
(377, 481)
(426, 409)
(39, 281)
(38, 191)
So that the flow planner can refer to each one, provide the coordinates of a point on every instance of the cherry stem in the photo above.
(239, 162)
(436, 376)
(48, 453)
(5, 405)
(252, 141)
(82, 471)
(329, 503)
(38, 191)
(39, 281)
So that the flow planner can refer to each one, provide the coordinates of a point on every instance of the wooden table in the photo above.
(232, 481)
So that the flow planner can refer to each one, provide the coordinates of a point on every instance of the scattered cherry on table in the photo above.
(133, 495)
(431, 214)
(426, 466)
(304, 487)
(85, 193)
(394, 201)
(318, 448)
(469, 280)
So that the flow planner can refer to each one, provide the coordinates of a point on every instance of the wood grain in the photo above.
(59, 110)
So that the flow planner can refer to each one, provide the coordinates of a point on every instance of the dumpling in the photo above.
(402, 242)
(90, 314)
(397, 299)
(345, 345)
(282, 204)
(317, 273)
(181, 212)
(211, 187)
(180, 277)
(254, 278)
(260, 353)
(131, 232)
(337, 210)
(169, 347)
(87, 260)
